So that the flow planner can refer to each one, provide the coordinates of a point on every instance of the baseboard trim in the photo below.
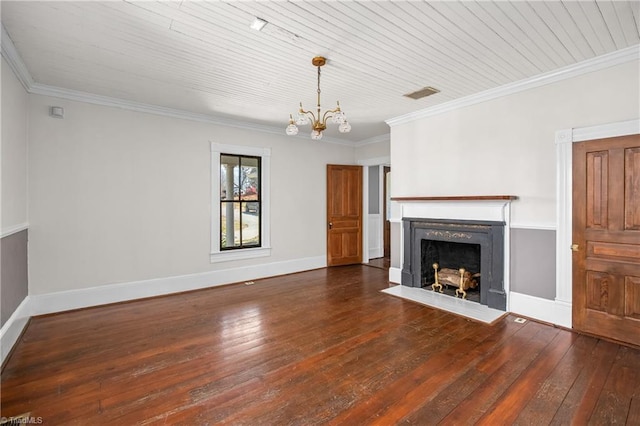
(13, 328)
(95, 296)
(49, 303)
(375, 253)
(551, 311)
(395, 275)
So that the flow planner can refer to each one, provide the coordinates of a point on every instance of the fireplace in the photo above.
(476, 247)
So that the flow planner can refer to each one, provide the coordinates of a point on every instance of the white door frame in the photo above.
(380, 161)
(564, 187)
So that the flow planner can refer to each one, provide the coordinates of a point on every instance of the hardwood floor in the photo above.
(380, 262)
(319, 347)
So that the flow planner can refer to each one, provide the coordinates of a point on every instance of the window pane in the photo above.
(249, 178)
(252, 208)
(250, 224)
(229, 225)
(228, 171)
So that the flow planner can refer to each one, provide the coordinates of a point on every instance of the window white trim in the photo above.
(218, 255)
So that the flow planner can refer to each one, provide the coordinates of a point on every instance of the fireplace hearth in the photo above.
(476, 247)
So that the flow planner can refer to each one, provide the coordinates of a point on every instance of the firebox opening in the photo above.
(450, 258)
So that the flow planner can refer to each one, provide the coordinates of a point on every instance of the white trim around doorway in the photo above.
(380, 161)
(564, 140)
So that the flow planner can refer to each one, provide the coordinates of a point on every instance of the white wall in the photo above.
(373, 151)
(506, 146)
(119, 196)
(14, 151)
(14, 281)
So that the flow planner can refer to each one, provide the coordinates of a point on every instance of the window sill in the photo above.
(226, 256)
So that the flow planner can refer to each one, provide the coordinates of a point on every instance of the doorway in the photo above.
(378, 205)
(344, 214)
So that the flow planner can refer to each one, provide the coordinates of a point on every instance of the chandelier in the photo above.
(319, 121)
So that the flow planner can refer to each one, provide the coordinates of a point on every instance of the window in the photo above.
(239, 202)
(239, 212)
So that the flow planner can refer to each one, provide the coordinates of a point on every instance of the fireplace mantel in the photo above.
(478, 208)
(472, 207)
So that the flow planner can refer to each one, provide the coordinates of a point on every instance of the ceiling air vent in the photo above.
(422, 93)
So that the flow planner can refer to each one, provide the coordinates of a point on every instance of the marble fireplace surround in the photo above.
(490, 210)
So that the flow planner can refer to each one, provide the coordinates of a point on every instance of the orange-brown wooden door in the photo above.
(344, 215)
(606, 237)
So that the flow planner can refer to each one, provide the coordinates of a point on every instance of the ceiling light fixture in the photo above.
(318, 125)
(258, 24)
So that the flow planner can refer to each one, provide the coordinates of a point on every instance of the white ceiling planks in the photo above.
(485, 28)
(613, 24)
(588, 20)
(202, 57)
(556, 16)
(432, 48)
(628, 15)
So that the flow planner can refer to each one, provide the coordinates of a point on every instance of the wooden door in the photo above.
(344, 215)
(386, 239)
(606, 236)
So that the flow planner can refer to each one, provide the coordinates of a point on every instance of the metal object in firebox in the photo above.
(460, 278)
(436, 284)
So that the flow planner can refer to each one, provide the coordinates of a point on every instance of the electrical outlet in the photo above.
(520, 320)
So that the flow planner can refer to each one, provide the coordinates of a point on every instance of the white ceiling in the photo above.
(203, 58)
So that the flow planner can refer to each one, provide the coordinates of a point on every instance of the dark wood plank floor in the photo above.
(320, 347)
(380, 262)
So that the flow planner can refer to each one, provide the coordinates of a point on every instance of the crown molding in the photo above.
(10, 54)
(379, 161)
(373, 140)
(19, 68)
(618, 57)
(79, 96)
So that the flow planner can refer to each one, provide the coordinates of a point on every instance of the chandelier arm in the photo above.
(313, 116)
(331, 111)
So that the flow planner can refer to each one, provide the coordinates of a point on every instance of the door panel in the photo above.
(632, 290)
(632, 189)
(597, 184)
(606, 230)
(344, 215)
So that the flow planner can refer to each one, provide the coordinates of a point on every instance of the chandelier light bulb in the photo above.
(344, 127)
(291, 129)
(316, 135)
(302, 119)
(339, 117)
